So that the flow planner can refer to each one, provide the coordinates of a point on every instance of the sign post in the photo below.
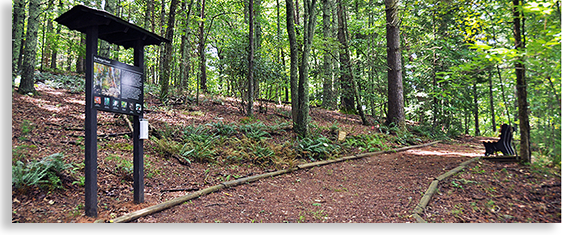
(111, 86)
(91, 121)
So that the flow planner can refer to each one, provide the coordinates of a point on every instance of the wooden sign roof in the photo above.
(111, 28)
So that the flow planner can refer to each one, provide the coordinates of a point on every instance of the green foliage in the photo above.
(121, 164)
(464, 45)
(317, 148)
(45, 172)
(199, 149)
(26, 127)
(367, 143)
(72, 83)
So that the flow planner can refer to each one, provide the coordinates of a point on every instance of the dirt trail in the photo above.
(379, 189)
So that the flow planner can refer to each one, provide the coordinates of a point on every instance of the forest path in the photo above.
(379, 189)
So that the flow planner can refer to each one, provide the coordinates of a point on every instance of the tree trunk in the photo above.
(492, 111)
(303, 89)
(185, 51)
(327, 87)
(475, 109)
(80, 67)
(293, 54)
(394, 59)
(346, 83)
(17, 32)
(525, 146)
(30, 50)
(201, 49)
(165, 73)
(250, 58)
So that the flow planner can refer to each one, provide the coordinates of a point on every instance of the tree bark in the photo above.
(327, 86)
(492, 111)
(303, 88)
(165, 73)
(30, 50)
(17, 32)
(475, 109)
(185, 51)
(201, 49)
(250, 58)
(293, 54)
(346, 83)
(394, 59)
(525, 146)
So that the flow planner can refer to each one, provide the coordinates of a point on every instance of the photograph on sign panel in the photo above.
(107, 80)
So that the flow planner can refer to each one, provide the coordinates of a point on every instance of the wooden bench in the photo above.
(503, 144)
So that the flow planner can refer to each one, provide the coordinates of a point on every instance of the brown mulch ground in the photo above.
(379, 189)
(497, 192)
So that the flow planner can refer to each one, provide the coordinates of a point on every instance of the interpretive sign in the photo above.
(111, 86)
(118, 87)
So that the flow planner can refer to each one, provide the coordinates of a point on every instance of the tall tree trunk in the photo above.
(250, 58)
(475, 109)
(165, 73)
(492, 111)
(30, 50)
(346, 83)
(394, 59)
(293, 54)
(201, 49)
(80, 60)
(185, 50)
(17, 32)
(525, 146)
(327, 86)
(303, 89)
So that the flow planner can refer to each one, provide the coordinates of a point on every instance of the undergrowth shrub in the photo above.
(69, 82)
(368, 143)
(41, 173)
(317, 148)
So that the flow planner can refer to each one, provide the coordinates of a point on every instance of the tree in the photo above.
(346, 79)
(17, 32)
(309, 15)
(394, 59)
(327, 88)
(201, 49)
(167, 53)
(525, 146)
(294, 58)
(185, 48)
(30, 50)
(250, 57)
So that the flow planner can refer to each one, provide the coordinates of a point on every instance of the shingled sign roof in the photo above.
(111, 28)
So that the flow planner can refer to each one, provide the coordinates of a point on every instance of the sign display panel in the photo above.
(118, 87)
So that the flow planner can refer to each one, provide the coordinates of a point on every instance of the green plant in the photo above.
(198, 149)
(44, 172)
(165, 147)
(26, 127)
(369, 143)
(316, 148)
(223, 129)
(122, 164)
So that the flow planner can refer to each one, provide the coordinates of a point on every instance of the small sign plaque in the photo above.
(118, 87)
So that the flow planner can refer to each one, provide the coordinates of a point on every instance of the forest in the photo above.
(457, 61)
(443, 68)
